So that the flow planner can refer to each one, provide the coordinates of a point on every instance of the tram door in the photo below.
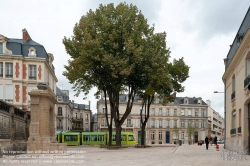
(167, 137)
(80, 138)
(60, 137)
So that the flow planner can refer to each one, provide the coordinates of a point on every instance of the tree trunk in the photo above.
(143, 134)
(118, 136)
(110, 135)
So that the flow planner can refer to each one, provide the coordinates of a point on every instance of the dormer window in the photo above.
(186, 101)
(32, 52)
(75, 105)
(59, 98)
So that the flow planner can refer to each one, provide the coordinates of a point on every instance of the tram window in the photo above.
(93, 138)
(123, 137)
(131, 138)
(86, 138)
(70, 138)
(113, 137)
(100, 137)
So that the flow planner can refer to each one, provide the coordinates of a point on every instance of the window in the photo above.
(100, 137)
(104, 122)
(167, 124)
(87, 126)
(152, 135)
(59, 111)
(175, 123)
(129, 123)
(175, 112)
(189, 112)
(32, 51)
(1, 48)
(234, 120)
(182, 124)
(182, 135)
(1, 69)
(152, 111)
(196, 124)
(9, 93)
(152, 123)
(75, 105)
(8, 70)
(59, 98)
(103, 110)
(93, 138)
(182, 112)
(189, 123)
(32, 72)
(202, 124)
(80, 115)
(202, 112)
(160, 123)
(87, 117)
(160, 135)
(1, 90)
(131, 138)
(196, 112)
(160, 112)
(167, 112)
(186, 101)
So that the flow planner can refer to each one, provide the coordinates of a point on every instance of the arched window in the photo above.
(59, 111)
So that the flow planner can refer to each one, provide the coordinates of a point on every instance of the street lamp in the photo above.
(224, 117)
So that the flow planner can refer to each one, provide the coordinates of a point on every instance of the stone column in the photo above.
(42, 129)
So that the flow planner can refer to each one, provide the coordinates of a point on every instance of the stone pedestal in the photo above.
(42, 126)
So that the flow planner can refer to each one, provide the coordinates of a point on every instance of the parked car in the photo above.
(220, 142)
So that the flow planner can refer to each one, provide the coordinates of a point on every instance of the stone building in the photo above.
(63, 111)
(23, 63)
(183, 112)
(215, 123)
(237, 85)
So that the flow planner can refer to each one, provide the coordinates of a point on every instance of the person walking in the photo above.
(215, 141)
(207, 142)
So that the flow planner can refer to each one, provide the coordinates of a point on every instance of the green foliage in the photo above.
(176, 130)
(190, 131)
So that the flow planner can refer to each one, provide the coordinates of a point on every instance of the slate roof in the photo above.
(191, 100)
(245, 25)
(20, 47)
(59, 92)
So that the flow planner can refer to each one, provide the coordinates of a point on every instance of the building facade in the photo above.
(23, 63)
(215, 123)
(237, 85)
(183, 112)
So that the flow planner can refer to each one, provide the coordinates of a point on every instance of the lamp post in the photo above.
(224, 117)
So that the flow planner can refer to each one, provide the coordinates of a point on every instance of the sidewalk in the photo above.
(185, 155)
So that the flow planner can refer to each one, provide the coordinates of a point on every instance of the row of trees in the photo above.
(190, 132)
(116, 50)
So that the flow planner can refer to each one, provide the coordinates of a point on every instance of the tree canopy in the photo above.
(115, 50)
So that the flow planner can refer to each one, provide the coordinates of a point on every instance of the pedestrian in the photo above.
(207, 142)
(215, 141)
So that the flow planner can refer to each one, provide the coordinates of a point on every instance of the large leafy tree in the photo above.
(115, 50)
(161, 78)
(106, 52)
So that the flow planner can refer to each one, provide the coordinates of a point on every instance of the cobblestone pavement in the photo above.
(185, 155)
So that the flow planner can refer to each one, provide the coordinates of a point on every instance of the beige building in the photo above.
(237, 97)
(184, 111)
(215, 123)
(23, 63)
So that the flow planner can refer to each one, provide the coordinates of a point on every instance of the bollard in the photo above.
(217, 147)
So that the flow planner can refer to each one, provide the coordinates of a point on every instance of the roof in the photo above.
(59, 92)
(238, 38)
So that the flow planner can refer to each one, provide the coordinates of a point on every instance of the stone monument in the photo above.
(42, 135)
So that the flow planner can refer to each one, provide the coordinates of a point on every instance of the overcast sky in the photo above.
(200, 31)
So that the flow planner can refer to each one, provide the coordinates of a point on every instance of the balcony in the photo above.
(233, 131)
(233, 95)
(239, 130)
(247, 81)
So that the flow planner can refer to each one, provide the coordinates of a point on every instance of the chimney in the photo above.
(26, 35)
